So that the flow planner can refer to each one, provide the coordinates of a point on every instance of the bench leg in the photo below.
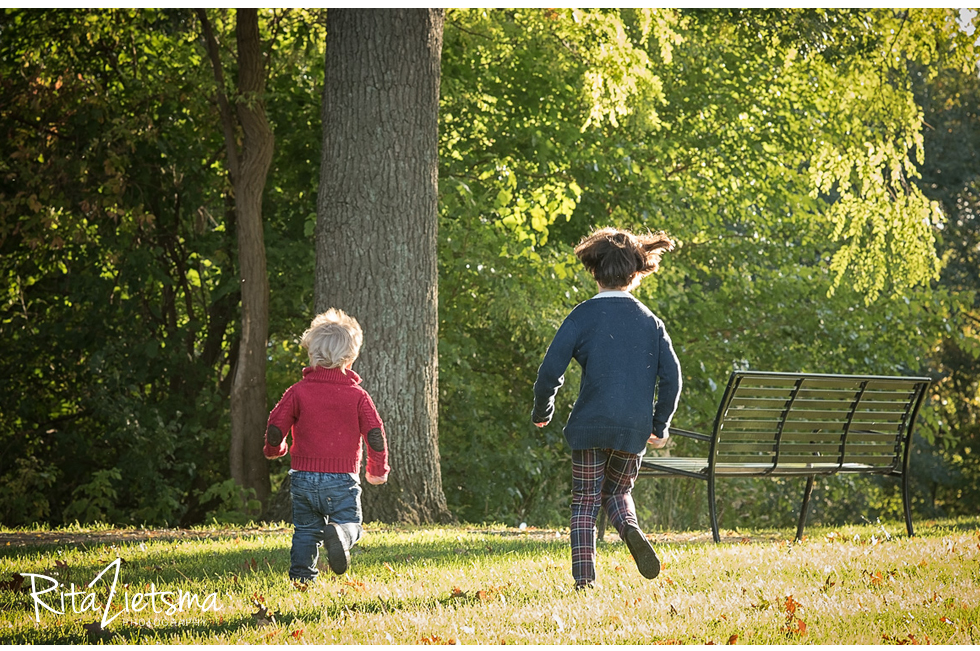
(804, 508)
(907, 502)
(712, 511)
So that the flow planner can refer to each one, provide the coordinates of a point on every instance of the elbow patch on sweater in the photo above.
(274, 436)
(376, 439)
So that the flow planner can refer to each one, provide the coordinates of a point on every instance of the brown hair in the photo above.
(616, 258)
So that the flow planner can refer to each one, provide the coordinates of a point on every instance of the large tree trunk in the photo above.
(248, 172)
(376, 233)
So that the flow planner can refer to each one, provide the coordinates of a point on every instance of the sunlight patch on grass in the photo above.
(417, 585)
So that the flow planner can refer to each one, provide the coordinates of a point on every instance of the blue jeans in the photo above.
(319, 498)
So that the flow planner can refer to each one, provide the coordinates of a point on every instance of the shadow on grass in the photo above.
(12, 541)
(240, 576)
(935, 527)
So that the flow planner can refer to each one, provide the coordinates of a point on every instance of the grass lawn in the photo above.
(493, 585)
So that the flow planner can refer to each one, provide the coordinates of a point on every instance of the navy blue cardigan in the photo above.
(626, 358)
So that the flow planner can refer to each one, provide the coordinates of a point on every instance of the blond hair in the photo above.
(333, 339)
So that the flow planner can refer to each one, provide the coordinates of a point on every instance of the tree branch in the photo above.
(227, 118)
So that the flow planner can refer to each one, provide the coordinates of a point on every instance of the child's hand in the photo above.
(540, 424)
(656, 442)
(376, 481)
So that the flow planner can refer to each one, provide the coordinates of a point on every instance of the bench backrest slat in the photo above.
(788, 419)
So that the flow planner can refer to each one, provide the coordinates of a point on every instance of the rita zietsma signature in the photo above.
(78, 600)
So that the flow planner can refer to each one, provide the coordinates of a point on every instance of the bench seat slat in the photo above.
(829, 381)
(871, 437)
(873, 416)
(811, 414)
(729, 448)
(863, 451)
(884, 404)
(793, 448)
(697, 465)
(739, 401)
(872, 460)
(815, 379)
(860, 416)
(803, 426)
(875, 460)
(742, 402)
(825, 387)
(790, 426)
(806, 394)
(812, 439)
(743, 434)
(824, 437)
(806, 448)
(890, 393)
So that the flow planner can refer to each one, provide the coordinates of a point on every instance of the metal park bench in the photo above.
(803, 425)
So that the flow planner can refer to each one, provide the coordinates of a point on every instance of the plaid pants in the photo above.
(599, 478)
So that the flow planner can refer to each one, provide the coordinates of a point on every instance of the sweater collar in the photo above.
(332, 375)
(613, 293)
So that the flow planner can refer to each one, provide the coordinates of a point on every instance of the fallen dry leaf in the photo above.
(15, 583)
(908, 639)
(792, 605)
(96, 633)
(263, 617)
(795, 626)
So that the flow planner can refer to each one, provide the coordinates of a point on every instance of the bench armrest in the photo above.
(689, 434)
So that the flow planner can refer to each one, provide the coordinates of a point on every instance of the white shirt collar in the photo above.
(613, 293)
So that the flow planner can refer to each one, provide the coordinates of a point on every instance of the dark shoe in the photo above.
(338, 558)
(646, 559)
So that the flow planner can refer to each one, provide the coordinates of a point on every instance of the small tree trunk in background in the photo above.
(376, 233)
(248, 172)
(248, 408)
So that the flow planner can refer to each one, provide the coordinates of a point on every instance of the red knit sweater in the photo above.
(329, 414)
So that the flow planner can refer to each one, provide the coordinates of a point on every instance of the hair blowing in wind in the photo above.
(615, 257)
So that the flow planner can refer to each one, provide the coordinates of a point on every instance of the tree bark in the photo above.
(376, 233)
(249, 168)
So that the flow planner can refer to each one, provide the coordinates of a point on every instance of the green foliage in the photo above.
(24, 491)
(119, 293)
(230, 503)
(497, 314)
(776, 146)
(784, 149)
(118, 249)
(96, 500)
(949, 99)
